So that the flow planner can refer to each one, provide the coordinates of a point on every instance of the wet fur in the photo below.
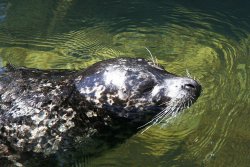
(46, 111)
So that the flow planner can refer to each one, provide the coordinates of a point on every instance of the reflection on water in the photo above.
(4, 5)
(210, 39)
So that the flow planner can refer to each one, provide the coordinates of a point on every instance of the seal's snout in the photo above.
(191, 86)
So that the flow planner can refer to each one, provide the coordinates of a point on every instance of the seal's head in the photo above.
(136, 88)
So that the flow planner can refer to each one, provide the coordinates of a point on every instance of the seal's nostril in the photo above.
(188, 86)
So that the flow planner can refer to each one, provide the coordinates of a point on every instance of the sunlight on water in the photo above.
(210, 42)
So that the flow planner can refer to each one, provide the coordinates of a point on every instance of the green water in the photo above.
(211, 39)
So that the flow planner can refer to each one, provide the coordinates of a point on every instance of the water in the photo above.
(210, 39)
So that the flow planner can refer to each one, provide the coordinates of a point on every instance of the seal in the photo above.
(46, 111)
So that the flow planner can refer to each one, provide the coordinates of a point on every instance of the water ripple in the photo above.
(213, 44)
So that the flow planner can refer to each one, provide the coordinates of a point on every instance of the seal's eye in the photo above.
(148, 89)
(147, 86)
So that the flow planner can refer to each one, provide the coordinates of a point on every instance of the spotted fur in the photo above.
(44, 111)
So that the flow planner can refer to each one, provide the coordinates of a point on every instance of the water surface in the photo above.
(210, 39)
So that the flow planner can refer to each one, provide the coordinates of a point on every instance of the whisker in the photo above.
(172, 110)
(144, 130)
(156, 60)
(155, 120)
(188, 74)
(152, 58)
(167, 114)
(146, 124)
